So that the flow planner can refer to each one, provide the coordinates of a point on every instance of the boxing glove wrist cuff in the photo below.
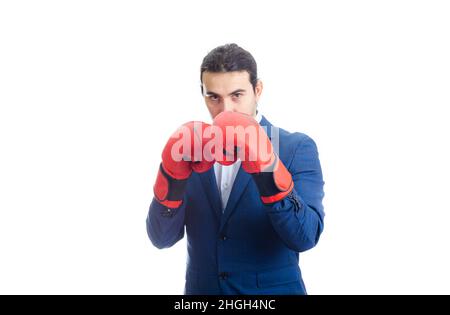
(168, 190)
(274, 185)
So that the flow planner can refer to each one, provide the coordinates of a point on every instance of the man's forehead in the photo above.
(225, 82)
(225, 76)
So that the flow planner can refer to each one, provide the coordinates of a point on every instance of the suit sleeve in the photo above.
(165, 226)
(298, 218)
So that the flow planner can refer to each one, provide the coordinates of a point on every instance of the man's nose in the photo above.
(228, 105)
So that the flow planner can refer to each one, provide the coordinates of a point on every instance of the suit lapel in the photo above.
(209, 183)
(240, 183)
(267, 126)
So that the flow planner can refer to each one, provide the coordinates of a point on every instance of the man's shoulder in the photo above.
(288, 143)
(276, 131)
(292, 138)
(293, 146)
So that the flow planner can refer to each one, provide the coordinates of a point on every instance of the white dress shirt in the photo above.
(226, 174)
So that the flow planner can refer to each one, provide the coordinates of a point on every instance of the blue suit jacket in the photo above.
(250, 248)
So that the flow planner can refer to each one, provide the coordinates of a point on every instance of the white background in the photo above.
(91, 90)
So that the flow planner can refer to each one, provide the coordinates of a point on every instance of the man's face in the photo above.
(230, 91)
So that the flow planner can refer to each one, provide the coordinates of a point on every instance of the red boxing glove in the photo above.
(184, 152)
(243, 138)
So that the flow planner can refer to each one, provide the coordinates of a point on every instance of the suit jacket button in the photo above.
(223, 237)
(223, 275)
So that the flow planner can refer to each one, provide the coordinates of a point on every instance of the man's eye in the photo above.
(213, 97)
(237, 95)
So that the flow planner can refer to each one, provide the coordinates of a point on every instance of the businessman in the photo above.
(248, 203)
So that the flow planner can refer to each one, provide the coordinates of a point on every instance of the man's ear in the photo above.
(258, 89)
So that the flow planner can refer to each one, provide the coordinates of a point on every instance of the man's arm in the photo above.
(298, 218)
(165, 220)
(293, 197)
(165, 226)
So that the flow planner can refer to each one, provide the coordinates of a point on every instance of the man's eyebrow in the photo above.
(237, 91)
(216, 94)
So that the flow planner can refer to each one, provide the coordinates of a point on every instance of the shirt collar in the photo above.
(258, 116)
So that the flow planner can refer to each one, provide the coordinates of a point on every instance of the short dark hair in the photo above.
(227, 58)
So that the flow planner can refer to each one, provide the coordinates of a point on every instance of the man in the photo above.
(246, 217)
